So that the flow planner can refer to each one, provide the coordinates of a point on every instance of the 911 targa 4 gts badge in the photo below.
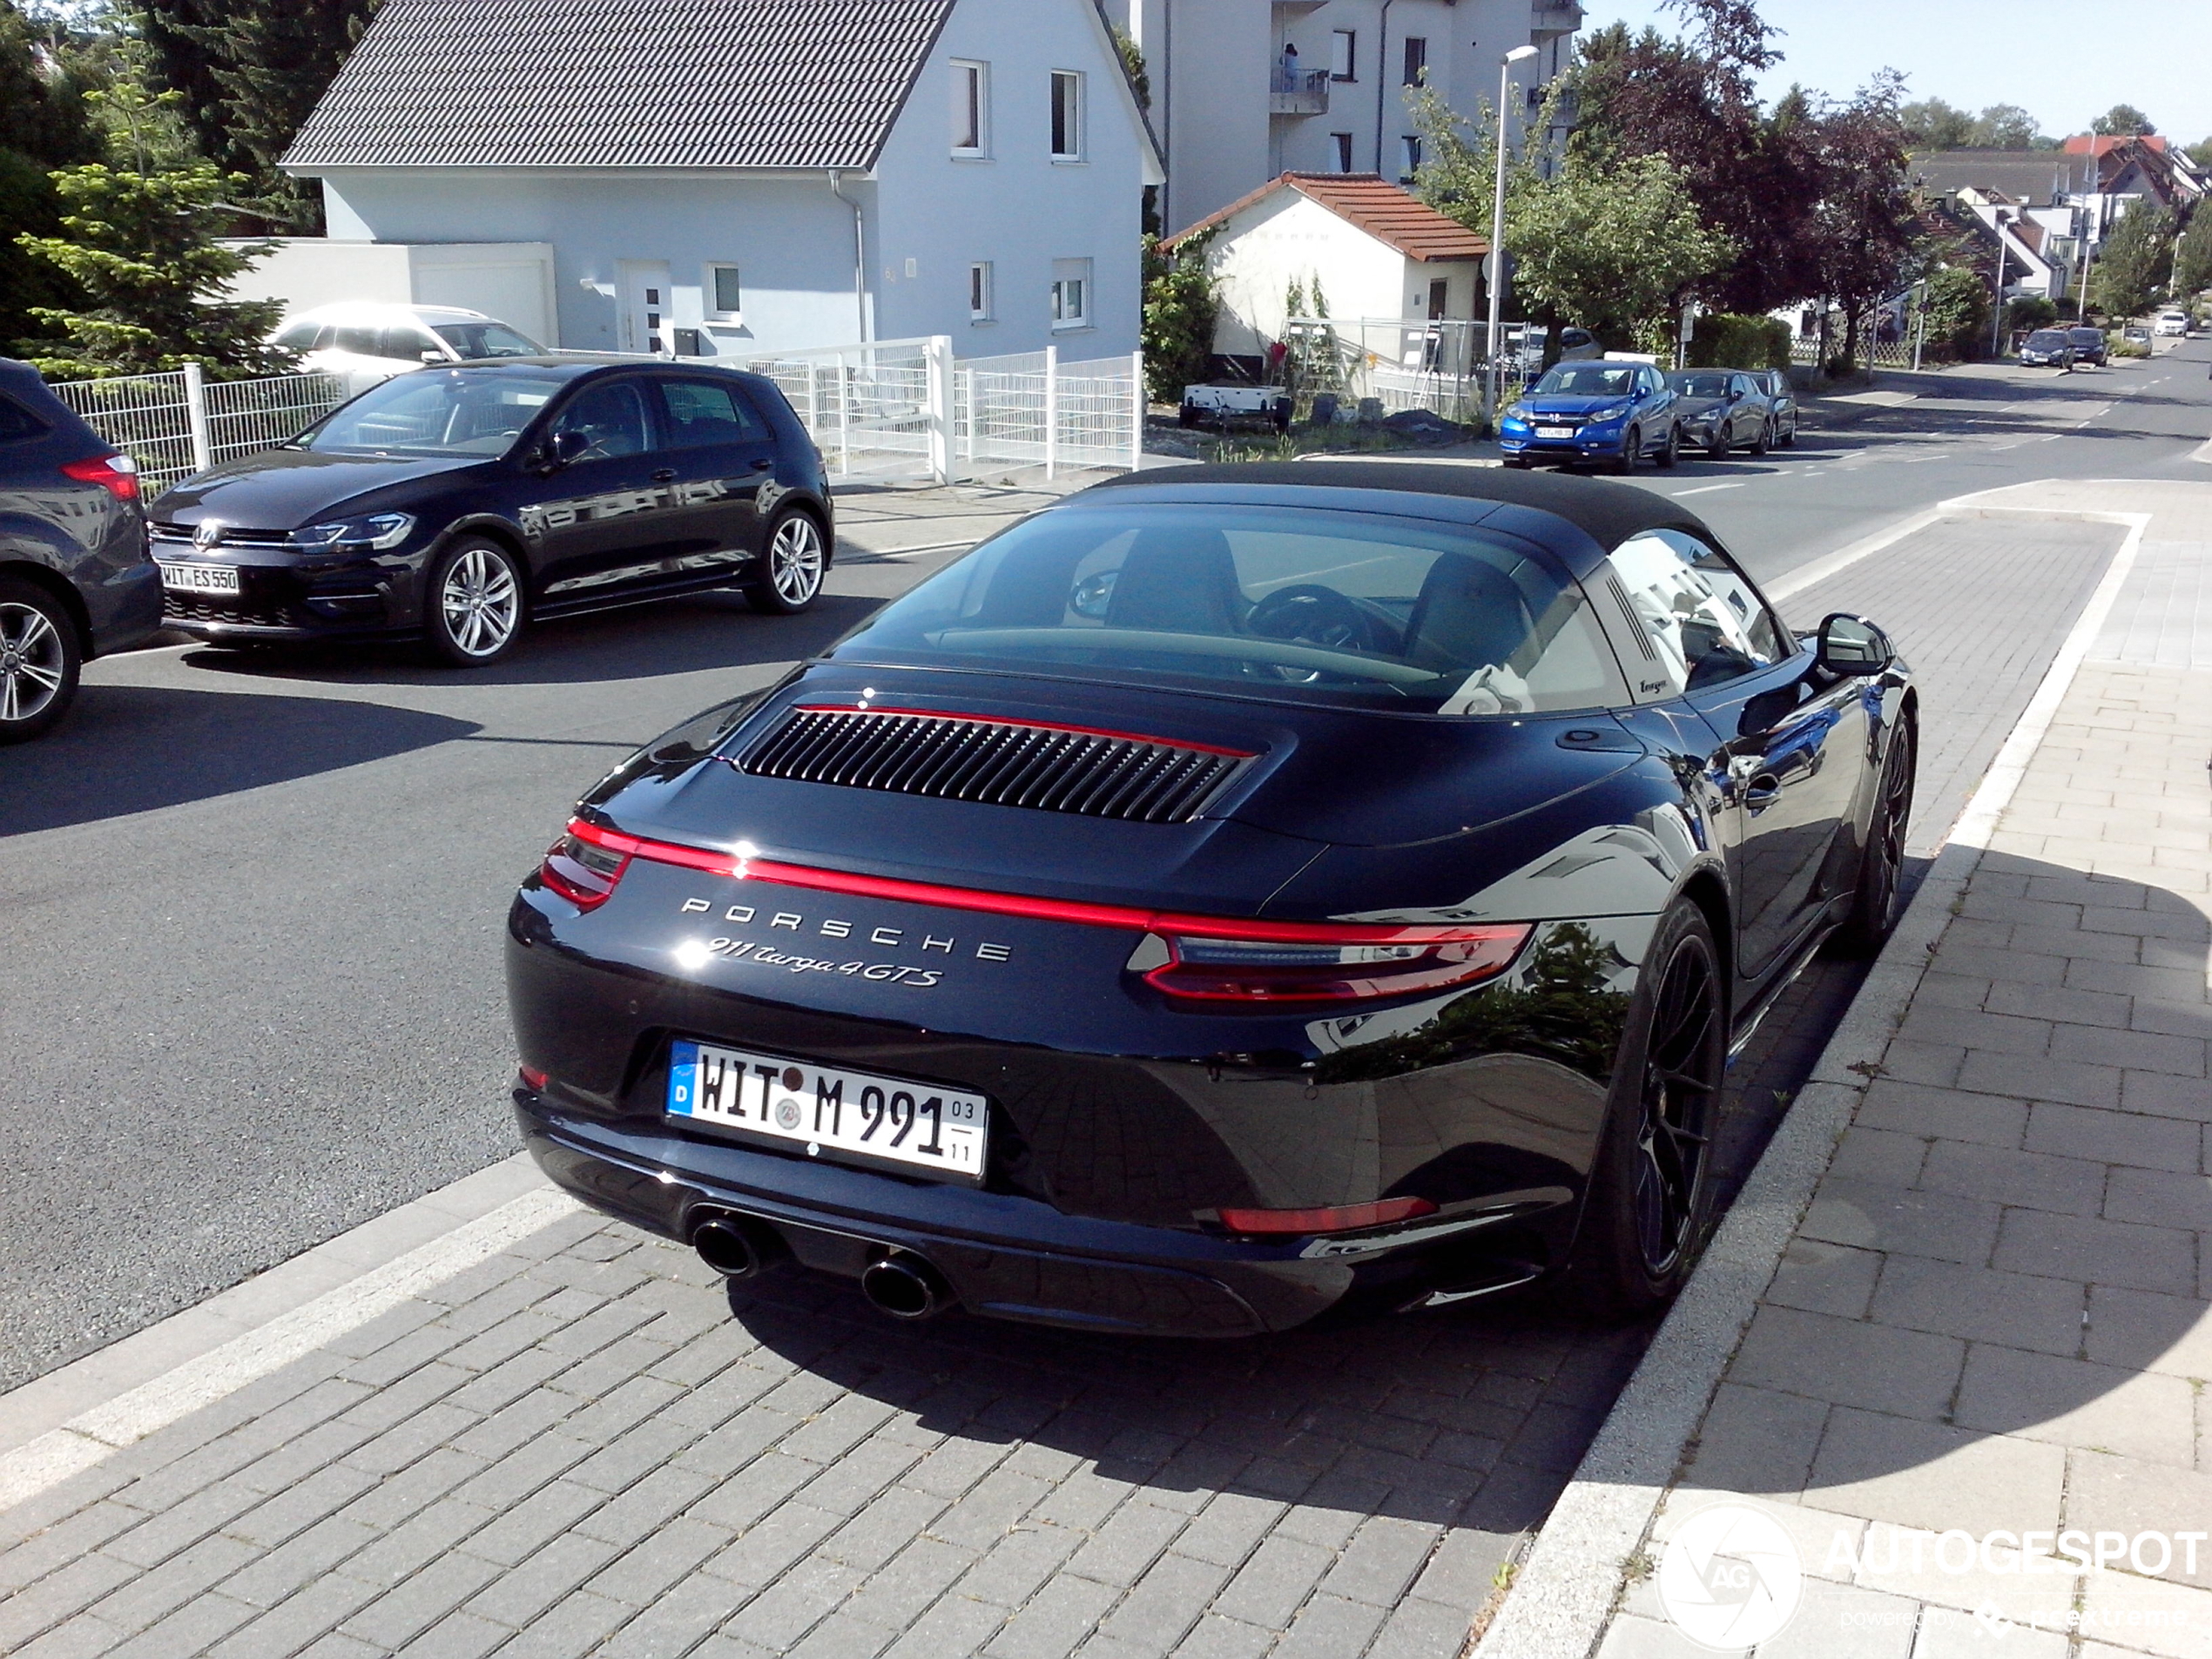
(696, 953)
(832, 927)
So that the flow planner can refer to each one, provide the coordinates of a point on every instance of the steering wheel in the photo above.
(1312, 615)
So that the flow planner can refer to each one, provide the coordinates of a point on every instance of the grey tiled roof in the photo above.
(650, 84)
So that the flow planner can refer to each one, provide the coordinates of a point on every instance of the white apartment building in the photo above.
(1244, 90)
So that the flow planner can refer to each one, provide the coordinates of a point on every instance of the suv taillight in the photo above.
(1331, 961)
(117, 475)
(581, 869)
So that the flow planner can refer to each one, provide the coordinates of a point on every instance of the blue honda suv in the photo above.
(1610, 412)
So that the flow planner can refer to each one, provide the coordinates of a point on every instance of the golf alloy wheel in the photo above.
(1681, 1086)
(478, 603)
(796, 559)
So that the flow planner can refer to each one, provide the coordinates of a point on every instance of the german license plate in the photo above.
(199, 579)
(844, 1115)
(1554, 431)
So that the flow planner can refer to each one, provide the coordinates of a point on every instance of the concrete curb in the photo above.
(1565, 1592)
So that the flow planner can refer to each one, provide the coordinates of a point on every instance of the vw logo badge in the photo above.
(207, 533)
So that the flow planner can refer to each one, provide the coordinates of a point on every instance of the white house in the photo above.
(1371, 248)
(1245, 89)
(721, 178)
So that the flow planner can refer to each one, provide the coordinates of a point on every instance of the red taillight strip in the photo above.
(1038, 725)
(1125, 917)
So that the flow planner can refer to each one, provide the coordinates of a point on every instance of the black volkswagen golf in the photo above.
(1221, 894)
(458, 505)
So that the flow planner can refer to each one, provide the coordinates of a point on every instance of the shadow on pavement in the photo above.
(135, 748)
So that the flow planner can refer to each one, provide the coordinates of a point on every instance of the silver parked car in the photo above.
(1782, 399)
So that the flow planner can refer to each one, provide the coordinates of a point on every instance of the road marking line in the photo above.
(1563, 1596)
(110, 1425)
(1704, 489)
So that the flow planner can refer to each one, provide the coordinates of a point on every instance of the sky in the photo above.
(1977, 53)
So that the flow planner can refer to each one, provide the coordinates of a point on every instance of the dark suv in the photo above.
(75, 580)
(456, 505)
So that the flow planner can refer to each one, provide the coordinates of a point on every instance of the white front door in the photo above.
(645, 305)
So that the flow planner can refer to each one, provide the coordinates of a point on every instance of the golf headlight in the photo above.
(380, 531)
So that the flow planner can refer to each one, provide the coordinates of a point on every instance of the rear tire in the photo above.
(1788, 440)
(1718, 449)
(1764, 442)
(1631, 451)
(475, 604)
(1650, 1198)
(1672, 453)
(1874, 906)
(793, 562)
(40, 659)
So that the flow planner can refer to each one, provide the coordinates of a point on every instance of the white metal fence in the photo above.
(888, 409)
(178, 423)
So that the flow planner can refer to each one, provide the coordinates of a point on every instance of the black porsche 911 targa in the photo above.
(1226, 893)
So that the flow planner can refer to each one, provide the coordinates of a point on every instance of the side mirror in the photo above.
(563, 448)
(1849, 644)
(432, 358)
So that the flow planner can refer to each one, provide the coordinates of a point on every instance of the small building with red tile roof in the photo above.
(1370, 248)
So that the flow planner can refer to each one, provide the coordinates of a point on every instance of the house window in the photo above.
(1411, 146)
(1071, 294)
(1343, 54)
(724, 293)
(979, 292)
(971, 108)
(1067, 115)
(1342, 143)
(1416, 58)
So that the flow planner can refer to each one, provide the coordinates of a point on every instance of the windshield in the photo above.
(2047, 338)
(1701, 385)
(453, 412)
(479, 339)
(1589, 380)
(1277, 602)
(2089, 335)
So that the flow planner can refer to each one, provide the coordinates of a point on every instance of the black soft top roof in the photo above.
(1610, 513)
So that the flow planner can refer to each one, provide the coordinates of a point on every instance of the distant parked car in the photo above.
(1575, 346)
(365, 340)
(2048, 348)
(1617, 413)
(1782, 399)
(2089, 345)
(2173, 325)
(458, 505)
(2135, 334)
(1721, 409)
(74, 579)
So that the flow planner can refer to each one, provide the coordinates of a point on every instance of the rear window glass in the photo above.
(476, 340)
(1292, 604)
(16, 422)
(702, 414)
(452, 412)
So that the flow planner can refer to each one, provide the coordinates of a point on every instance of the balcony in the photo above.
(1549, 19)
(1298, 91)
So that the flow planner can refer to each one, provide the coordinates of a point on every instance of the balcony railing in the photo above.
(1298, 91)
(1548, 19)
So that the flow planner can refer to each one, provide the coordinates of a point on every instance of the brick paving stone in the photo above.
(2098, 1252)
(1934, 1476)
(1055, 1621)
(573, 1629)
(2072, 1402)
(421, 1600)
(1164, 1605)
(1826, 1279)
(519, 1592)
(1880, 1216)
(2112, 1138)
(1329, 1628)
(1882, 1368)
(1756, 1440)
(1274, 1583)
(2030, 1180)
(458, 1636)
(317, 1609)
(2019, 1310)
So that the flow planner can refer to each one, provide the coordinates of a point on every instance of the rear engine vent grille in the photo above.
(1001, 763)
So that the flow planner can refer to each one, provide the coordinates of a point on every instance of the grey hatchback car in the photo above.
(75, 578)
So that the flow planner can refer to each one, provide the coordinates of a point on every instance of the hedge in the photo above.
(1724, 340)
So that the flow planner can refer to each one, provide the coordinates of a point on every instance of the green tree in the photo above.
(2005, 126)
(2193, 258)
(2199, 153)
(2122, 120)
(138, 243)
(1931, 124)
(1958, 310)
(1858, 238)
(1139, 79)
(42, 126)
(2132, 267)
(1182, 301)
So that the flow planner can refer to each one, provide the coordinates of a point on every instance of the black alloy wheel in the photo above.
(1764, 442)
(40, 658)
(1631, 451)
(791, 567)
(1881, 865)
(1718, 449)
(475, 603)
(1650, 1198)
(1788, 440)
(1670, 452)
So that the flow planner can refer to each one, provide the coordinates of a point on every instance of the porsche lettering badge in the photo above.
(833, 927)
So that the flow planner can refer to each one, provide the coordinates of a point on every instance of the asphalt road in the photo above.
(252, 995)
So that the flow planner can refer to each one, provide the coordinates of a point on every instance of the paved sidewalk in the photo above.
(1995, 1317)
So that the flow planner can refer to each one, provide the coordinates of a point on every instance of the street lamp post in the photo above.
(1518, 54)
(1997, 323)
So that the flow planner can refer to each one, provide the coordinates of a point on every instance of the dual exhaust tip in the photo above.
(899, 1283)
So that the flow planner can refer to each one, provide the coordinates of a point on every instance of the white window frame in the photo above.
(971, 79)
(1079, 97)
(1344, 48)
(981, 280)
(710, 307)
(1078, 275)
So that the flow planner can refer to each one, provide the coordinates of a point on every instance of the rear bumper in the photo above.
(126, 609)
(1007, 1256)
